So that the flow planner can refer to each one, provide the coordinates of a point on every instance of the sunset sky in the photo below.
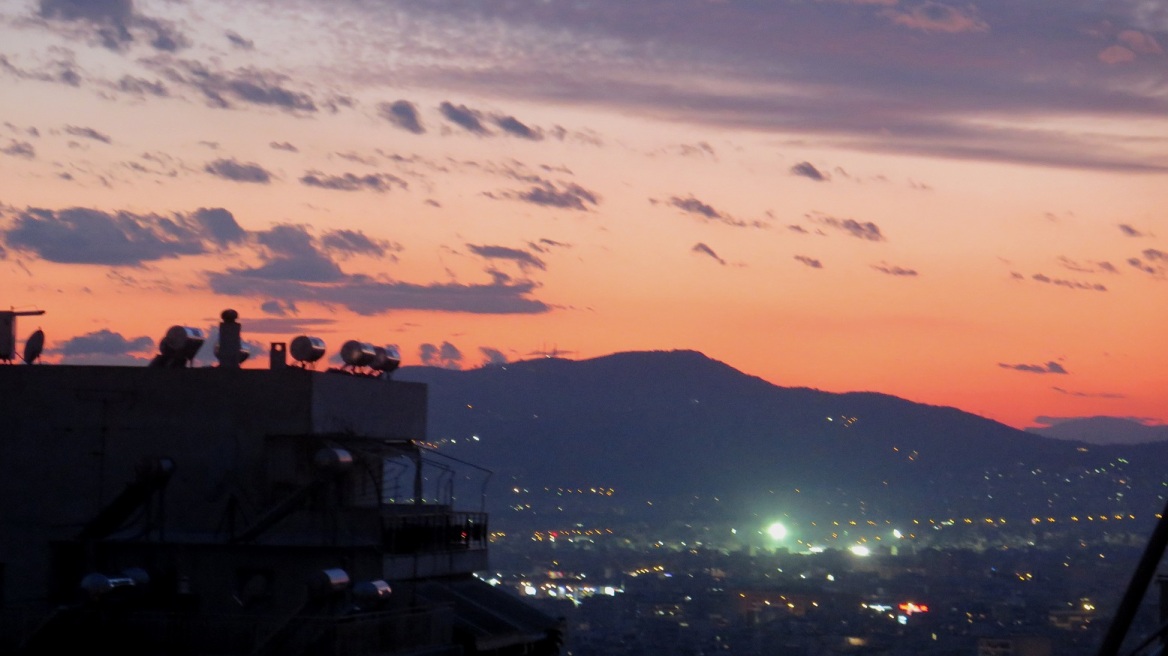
(958, 203)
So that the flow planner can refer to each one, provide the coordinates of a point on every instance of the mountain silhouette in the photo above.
(1102, 430)
(678, 425)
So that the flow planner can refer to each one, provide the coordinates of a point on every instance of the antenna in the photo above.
(8, 331)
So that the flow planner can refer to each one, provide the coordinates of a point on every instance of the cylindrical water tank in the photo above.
(332, 458)
(328, 581)
(358, 354)
(97, 585)
(386, 359)
(369, 592)
(182, 341)
(307, 348)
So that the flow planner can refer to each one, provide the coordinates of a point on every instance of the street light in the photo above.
(777, 531)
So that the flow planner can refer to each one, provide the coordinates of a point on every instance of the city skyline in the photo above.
(959, 204)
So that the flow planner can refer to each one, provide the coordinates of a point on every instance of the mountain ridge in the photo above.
(1102, 430)
(678, 424)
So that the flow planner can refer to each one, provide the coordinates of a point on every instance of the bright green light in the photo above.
(777, 531)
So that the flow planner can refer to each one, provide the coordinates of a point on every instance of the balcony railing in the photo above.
(439, 531)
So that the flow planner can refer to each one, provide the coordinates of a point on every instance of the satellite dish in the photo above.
(307, 349)
(358, 354)
(33, 346)
(178, 347)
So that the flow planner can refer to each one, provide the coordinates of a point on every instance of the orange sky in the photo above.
(955, 204)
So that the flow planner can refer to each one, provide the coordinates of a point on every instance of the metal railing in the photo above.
(440, 531)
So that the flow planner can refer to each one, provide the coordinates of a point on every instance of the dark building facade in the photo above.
(225, 510)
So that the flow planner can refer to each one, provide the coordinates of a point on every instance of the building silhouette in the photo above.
(221, 510)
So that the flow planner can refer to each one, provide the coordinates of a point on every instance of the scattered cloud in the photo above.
(369, 296)
(513, 126)
(1082, 395)
(1155, 264)
(283, 145)
(279, 308)
(292, 253)
(104, 342)
(545, 245)
(217, 225)
(223, 89)
(1069, 284)
(140, 86)
(87, 236)
(1086, 267)
(524, 259)
(295, 266)
(1048, 368)
(63, 70)
(916, 98)
(357, 158)
(31, 130)
(287, 325)
(809, 261)
(87, 133)
(562, 195)
(695, 206)
(403, 114)
(893, 270)
(354, 242)
(450, 353)
(446, 356)
(703, 249)
(492, 356)
(105, 347)
(867, 230)
(464, 117)
(1140, 42)
(230, 169)
(1116, 55)
(808, 170)
(21, 149)
(377, 182)
(113, 23)
(937, 17)
(1130, 231)
(699, 150)
(706, 212)
(238, 41)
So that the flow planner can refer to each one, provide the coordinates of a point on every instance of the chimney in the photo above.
(278, 356)
(230, 343)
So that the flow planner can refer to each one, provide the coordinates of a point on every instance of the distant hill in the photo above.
(1103, 430)
(677, 425)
